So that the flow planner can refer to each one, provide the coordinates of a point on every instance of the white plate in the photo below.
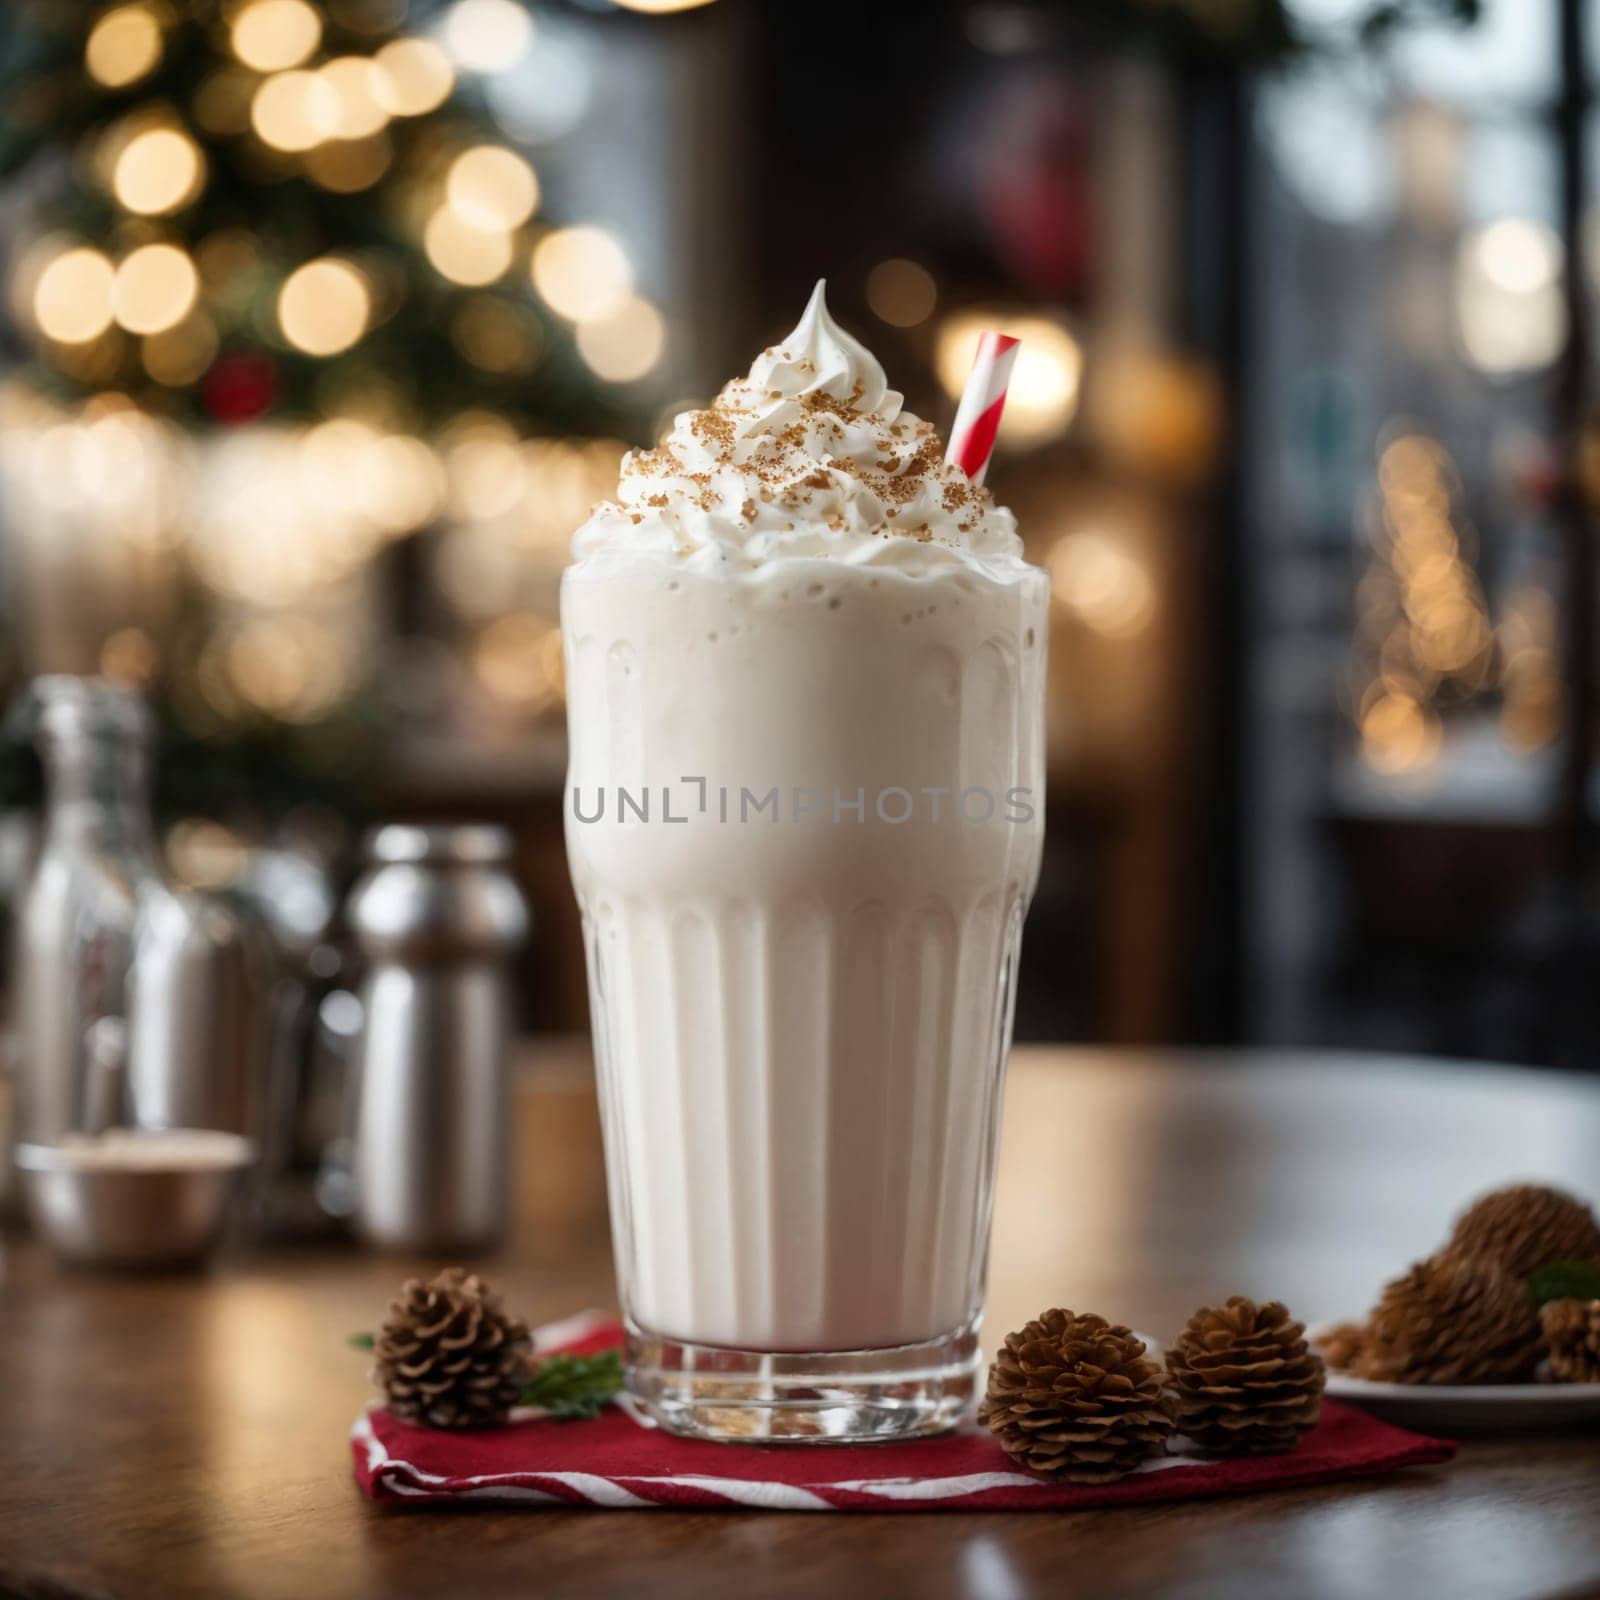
(1475, 1408)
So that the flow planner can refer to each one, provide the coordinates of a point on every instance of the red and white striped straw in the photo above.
(977, 422)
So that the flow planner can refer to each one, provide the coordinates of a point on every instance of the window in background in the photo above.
(1406, 567)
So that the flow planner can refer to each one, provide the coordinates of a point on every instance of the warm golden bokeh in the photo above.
(1101, 583)
(271, 35)
(324, 307)
(123, 46)
(181, 355)
(346, 166)
(463, 253)
(295, 110)
(414, 77)
(356, 83)
(624, 345)
(492, 187)
(582, 273)
(158, 172)
(513, 659)
(1423, 631)
(154, 288)
(72, 299)
(902, 293)
(496, 336)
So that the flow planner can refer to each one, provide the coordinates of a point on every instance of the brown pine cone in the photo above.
(1450, 1320)
(1074, 1398)
(448, 1355)
(1524, 1227)
(1572, 1340)
(1245, 1380)
(1342, 1344)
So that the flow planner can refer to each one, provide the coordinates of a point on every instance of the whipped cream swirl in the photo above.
(810, 455)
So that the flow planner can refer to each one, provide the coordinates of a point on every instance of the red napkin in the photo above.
(615, 1462)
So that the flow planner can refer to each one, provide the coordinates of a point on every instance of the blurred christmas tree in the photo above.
(285, 297)
(280, 208)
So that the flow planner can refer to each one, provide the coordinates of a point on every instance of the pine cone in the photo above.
(1246, 1382)
(1342, 1344)
(1450, 1320)
(1074, 1398)
(1524, 1227)
(448, 1355)
(1572, 1340)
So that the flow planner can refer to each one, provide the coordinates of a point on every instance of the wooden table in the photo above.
(172, 1437)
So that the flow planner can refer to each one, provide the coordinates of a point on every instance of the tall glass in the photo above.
(804, 818)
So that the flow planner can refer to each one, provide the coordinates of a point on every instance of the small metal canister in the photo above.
(436, 914)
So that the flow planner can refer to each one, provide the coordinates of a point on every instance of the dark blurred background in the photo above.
(328, 319)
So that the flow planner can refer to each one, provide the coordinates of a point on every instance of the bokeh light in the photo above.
(206, 854)
(1097, 580)
(129, 656)
(582, 273)
(1531, 682)
(414, 77)
(96, 362)
(324, 306)
(158, 171)
(512, 659)
(123, 46)
(1518, 256)
(295, 110)
(1398, 735)
(347, 166)
(181, 355)
(1423, 636)
(402, 483)
(465, 254)
(154, 288)
(485, 471)
(488, 35)
(492, 187)
(624, 345)
(287, 666)
(496, 336)
(72, 299)
(271, 35)
(901, 293)
(1156, 410)
(356, 83)
(1510, 307)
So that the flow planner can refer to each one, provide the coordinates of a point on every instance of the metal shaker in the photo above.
(436, 915)
(199, 1017)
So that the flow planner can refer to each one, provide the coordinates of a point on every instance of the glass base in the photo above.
(837, 1397)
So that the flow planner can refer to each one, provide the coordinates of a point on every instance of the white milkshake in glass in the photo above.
(805, 668)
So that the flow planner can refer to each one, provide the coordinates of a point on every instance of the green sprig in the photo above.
(570, 1388)
(1565, 1280)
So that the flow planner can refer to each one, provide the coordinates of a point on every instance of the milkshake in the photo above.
(805, 668)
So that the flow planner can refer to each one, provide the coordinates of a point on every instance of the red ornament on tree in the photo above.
(240, 388)
(1034, 191)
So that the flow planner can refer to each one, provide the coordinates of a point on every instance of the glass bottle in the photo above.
(77, 920)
